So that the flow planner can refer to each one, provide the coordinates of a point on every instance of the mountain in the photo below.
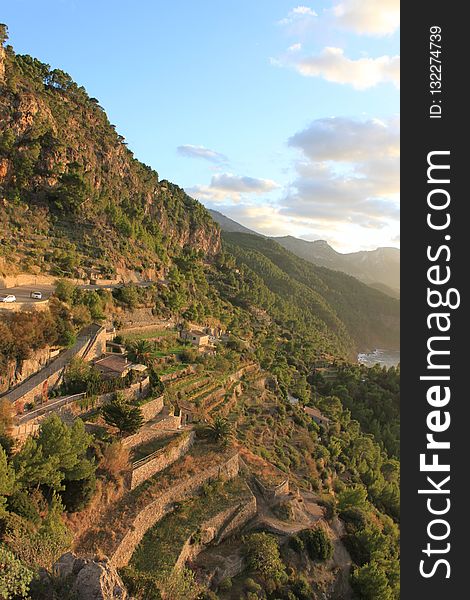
(378, 268)
(76, 203)
(73, 197)
(227, 224)
(343, 310)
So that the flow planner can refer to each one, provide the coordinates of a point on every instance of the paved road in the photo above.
(23, 292)
(64, 358)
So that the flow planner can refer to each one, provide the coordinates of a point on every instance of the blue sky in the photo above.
(282, 115)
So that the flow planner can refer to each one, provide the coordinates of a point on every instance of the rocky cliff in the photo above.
(72, 196)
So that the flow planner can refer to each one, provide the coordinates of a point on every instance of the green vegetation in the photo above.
(315, 541)
(161, 546)
(103, 214)
(121, 414)
(262, 553)
(15, 578)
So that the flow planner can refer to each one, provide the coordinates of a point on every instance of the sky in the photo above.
(283, 116)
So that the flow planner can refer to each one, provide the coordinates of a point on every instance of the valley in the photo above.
(182, 416)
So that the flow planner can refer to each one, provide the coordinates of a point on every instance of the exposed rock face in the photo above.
(94, 580)
(76, 171)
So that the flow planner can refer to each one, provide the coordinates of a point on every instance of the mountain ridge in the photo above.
(374, 267)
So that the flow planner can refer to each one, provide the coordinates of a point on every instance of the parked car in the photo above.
(36, 295)
(9, 298)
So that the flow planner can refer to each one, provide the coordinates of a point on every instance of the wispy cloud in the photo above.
(368, 17)
(225, 186)
(190, 151)
(333, 65)
(297, 14)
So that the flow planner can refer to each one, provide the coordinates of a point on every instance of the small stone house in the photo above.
(117, 366)
(195, 336)
(317, 416)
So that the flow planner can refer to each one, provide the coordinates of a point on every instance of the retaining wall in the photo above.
(217, 529)
(153, 512)
(151, 409)
(163, 458)
(273, 492)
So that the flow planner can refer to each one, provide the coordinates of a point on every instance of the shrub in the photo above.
(115, 460)
(15, 577)
(21, 504)
(297, 544)
(250, 585)
(370, 583)
(141, 585)
(78, 494)
(317, 543)
(225, 584)
(302, 589)
(262, 552)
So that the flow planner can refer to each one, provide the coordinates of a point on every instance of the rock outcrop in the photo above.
(91, 579)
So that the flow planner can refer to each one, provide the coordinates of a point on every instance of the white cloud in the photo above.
(228, 186)
(370, 17)
(349, 174)
(333, 65)
(191, 151)
(345, 139)
(297, 14)
(304, 10)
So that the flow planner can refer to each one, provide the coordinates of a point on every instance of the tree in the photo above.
(262, 552)
(317, 543)
(15, 577)
(142, 350)
(7, 480)
(64, 290)
(3, 33)
(354, 497)
(57, 454)
(6, 422)
(371, 583)
(220, 430)
(121, 414)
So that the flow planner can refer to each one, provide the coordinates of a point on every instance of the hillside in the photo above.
(229, 225)
(358, 315)
(205, 430)
(74, 200)
(378, 268)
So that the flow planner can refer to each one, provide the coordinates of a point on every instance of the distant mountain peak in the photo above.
(379, 267)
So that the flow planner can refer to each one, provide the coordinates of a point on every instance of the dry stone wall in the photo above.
(162, 459)
(153, 512)
(151, 409)
(217, 529)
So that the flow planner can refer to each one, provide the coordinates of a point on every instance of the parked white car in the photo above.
(9, 298)
(36, 295)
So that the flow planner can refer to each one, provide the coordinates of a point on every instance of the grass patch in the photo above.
(151, 446)
(161, 545)
(149, 334)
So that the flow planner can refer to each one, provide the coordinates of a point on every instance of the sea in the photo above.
(387, 358)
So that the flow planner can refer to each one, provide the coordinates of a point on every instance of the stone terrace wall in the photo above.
(217, 529)
(168, 423)
(275, 491)
(153, 512)
(152, 409)
(162, 459)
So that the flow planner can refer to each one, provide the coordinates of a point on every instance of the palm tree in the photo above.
(220, 430)
(142, 350)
